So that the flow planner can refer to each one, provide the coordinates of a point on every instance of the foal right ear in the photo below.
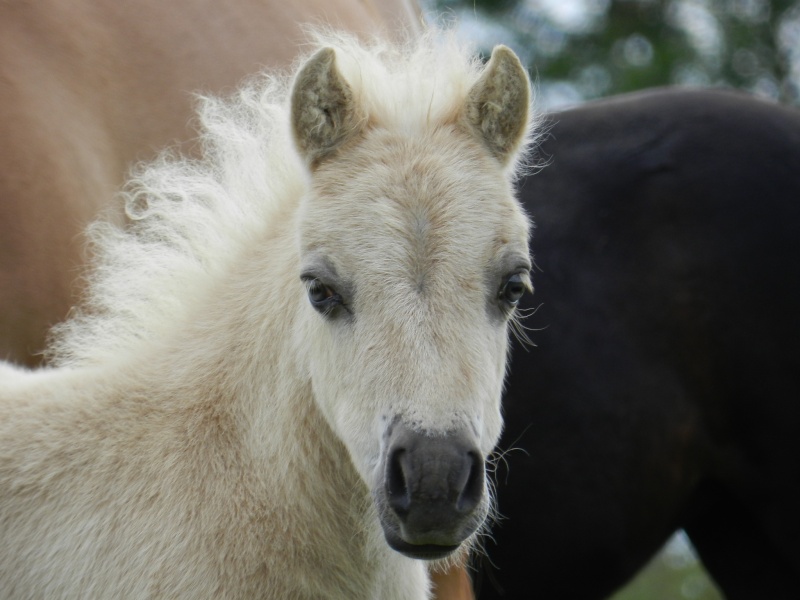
(324, 113)
(498, 105)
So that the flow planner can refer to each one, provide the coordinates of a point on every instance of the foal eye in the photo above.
(318, 292)
(322, 297)
(512, 290)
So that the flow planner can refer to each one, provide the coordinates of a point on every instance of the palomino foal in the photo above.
(288, 377)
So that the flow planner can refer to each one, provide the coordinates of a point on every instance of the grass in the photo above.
(674, 574)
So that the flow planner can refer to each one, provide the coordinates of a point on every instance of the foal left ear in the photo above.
(324, 112)
(498, 104)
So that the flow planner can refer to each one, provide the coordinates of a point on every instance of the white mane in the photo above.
(189, 217)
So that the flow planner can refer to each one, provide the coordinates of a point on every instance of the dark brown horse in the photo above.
(664, 388)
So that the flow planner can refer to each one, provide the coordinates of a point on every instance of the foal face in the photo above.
(414, 254)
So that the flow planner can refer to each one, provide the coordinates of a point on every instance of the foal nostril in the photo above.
(397, 484)
(472, 491)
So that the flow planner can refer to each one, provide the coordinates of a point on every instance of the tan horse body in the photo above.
(90, 87)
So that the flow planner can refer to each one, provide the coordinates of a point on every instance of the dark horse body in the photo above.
(663, 391)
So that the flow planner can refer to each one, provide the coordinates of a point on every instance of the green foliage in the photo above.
(582, 49)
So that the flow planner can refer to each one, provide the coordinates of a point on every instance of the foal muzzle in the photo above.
(433, 493)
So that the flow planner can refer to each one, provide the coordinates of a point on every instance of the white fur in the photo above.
(208, 434)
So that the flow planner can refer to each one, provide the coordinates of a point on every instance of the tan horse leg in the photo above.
(453, 584)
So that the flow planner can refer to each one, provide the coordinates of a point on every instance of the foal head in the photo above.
(414, 254)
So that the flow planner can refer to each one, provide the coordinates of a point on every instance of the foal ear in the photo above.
(324, 112)
(498, 104)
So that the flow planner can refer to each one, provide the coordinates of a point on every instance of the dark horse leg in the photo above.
(737, 553)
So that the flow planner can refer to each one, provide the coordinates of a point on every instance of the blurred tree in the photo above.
(582, 49)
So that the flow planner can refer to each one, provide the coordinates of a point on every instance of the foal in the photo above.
(288, 374)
